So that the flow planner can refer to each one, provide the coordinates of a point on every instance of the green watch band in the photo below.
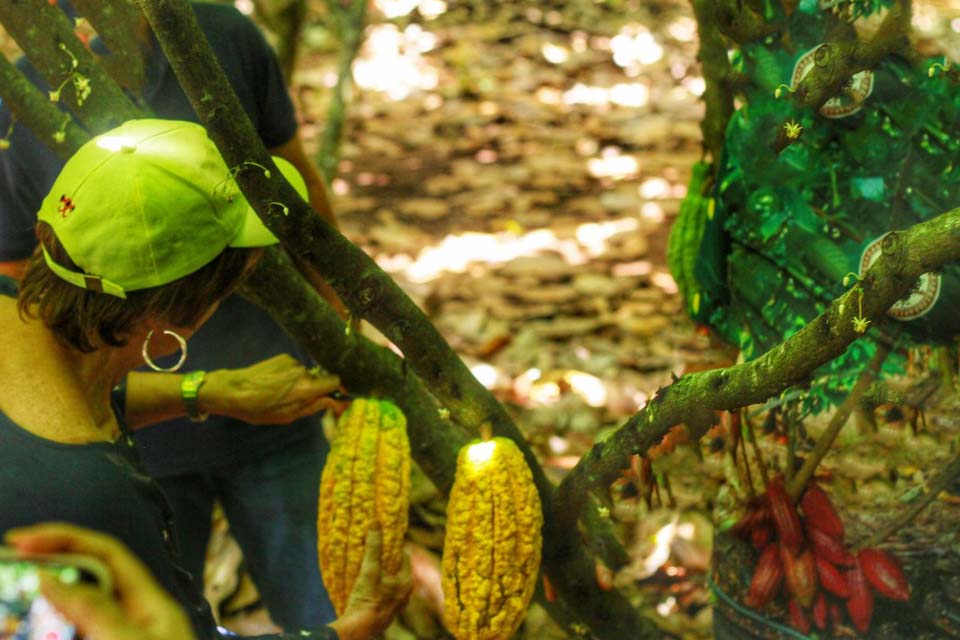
(190, 392)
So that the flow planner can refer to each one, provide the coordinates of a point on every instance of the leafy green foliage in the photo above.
(790, 225)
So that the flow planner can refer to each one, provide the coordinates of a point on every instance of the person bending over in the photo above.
(142, 234)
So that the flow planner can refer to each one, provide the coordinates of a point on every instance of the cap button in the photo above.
(128, 148)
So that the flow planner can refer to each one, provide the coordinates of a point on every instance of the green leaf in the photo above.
(868, 188)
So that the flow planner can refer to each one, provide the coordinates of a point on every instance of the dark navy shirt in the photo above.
(239, 333)
(102, 486)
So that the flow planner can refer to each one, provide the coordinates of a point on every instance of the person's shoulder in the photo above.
(220, 17)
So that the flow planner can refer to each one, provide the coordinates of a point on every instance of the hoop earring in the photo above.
(145, 351)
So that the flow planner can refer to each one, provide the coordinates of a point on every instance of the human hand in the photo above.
(275, 391)
(376, 598)
(138, 609)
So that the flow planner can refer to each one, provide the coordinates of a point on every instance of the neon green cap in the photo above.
(148, 203)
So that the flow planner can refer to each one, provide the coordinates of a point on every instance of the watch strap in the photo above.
(190, 394)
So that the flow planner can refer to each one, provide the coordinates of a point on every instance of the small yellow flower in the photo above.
(54, 95)
(60, 136)
(793, 129)
(860, 324)
(4, 144)
(82, 86)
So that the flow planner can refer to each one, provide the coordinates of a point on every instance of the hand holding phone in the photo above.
(137, 608)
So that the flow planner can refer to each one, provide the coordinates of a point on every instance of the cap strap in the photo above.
(84, 280)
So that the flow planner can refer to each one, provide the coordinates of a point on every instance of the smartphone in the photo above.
(24, 613)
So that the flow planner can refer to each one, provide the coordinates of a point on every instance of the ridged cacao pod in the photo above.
(860, 602)
(827, 547)
(883, 573)
(831, 579)
(365, 482)
(767, 577)
(491, 551)
(785, 517)
(820, 612)
(799, 619)
(800, 574)
(820, 512)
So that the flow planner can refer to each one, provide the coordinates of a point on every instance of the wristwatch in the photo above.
(190, 392)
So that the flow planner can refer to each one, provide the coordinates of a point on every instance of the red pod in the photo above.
(820, 512)
(785, 517)
(800, 574)
(761, 536)
(767, 578)
(831, 579)
(820, 612)
(799, 619)
(883, 573)
(860, 603)
(829, 548)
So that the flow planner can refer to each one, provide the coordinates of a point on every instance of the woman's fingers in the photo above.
(92, 611)
(59, 537)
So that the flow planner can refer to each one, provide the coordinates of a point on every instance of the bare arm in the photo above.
(275, 391)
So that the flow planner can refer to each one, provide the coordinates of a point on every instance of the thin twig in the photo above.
(839, 419)
(756, 450)
(941, 482)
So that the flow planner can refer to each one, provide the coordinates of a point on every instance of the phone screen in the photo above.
(24, 613)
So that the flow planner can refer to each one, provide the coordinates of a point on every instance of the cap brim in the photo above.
(253, 233)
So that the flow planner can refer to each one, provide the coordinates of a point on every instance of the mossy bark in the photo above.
(53, 49)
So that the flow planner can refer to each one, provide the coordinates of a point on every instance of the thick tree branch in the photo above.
(33, 109)
(363, 367)
(53, 50)
(114, 21)
(366, 368)
(905, 256)
(372, 295)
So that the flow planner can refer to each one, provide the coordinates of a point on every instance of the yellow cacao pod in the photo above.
(365, 482)
(491, 551)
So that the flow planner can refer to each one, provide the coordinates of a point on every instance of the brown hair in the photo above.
(86, 319)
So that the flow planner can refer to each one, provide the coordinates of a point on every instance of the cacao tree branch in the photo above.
(837, 60)
(905, 255)
(117, 23)
(31, 108)
(367, 368)
(374, 296)
(65, 63)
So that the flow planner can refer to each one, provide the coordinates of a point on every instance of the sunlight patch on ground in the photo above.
(458, 253)
(429, 9)
(392, 61)
(613, 164)
(634, 47)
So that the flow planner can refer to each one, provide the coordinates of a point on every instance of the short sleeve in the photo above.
(277, 119)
